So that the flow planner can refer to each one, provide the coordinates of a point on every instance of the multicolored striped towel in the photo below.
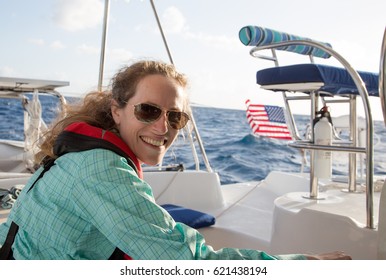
(260, 36)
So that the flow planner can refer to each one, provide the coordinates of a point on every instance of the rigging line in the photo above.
(258, 184)
(162, 32)
(168, 185)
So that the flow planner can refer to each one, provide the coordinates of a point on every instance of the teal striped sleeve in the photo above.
(122, 207)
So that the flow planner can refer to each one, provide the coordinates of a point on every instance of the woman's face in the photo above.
(150, 141)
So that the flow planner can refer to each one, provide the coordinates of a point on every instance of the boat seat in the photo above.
(315, 77)
(301, 77)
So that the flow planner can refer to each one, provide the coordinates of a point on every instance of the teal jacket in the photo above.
(93, 201)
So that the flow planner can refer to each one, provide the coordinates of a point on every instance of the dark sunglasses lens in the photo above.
(177, 120)
(147, 113)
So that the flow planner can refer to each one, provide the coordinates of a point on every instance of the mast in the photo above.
(103, 45)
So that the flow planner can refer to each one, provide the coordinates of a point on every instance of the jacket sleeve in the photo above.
(122, 207)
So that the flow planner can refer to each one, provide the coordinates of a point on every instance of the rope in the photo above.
(8, 197)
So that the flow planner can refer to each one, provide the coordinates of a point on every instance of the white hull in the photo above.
(274, 216)
(12, 156)
(271, 215)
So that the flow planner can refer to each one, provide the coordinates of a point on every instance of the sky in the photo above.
(61, 40)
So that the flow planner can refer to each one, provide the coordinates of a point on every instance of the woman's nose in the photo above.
(161, 125)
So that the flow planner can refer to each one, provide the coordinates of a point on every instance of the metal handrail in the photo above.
(382, 77)
(366, 104)
(312, 146)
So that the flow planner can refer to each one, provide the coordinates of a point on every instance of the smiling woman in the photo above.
(154, 135)
(106, 138)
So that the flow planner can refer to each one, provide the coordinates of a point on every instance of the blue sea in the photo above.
(232, 150)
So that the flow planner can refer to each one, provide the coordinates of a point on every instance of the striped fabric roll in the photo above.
(260, 36)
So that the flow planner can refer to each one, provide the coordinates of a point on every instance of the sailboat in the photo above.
(283, 213)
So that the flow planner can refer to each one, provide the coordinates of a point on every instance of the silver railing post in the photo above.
(382, 77)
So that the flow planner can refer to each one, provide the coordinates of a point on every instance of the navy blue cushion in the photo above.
(335, 80)
(190, 217)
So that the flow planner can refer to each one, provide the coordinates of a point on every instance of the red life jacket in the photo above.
(81, 136)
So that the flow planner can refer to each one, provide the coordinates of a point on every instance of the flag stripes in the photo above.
(267, 121)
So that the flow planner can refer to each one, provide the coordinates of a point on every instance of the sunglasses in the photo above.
(148, 113)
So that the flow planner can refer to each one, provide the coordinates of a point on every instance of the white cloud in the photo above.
(215, 41)
(57, 45)
(117, 54)
(86, 49)
(38, 42)
(173, 21)
(74, 15)
(7, 71)
(120, 54)
(128, 1)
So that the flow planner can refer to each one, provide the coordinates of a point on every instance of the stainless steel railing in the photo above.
(382, 77)
(368, 150)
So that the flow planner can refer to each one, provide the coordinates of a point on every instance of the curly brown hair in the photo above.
(95, 108)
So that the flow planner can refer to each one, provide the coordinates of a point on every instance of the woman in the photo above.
(88, 200)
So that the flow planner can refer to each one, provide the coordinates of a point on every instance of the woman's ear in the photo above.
(116, 112)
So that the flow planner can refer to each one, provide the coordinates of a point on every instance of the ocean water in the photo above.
(231, 149)
(239, 156)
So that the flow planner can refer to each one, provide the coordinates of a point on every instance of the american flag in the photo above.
(268, 121)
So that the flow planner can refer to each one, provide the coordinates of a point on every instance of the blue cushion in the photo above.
(335, 80)
(190, 217)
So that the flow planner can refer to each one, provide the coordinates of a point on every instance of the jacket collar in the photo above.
(95, 137)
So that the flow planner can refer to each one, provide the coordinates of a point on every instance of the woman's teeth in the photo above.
(153, 142)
